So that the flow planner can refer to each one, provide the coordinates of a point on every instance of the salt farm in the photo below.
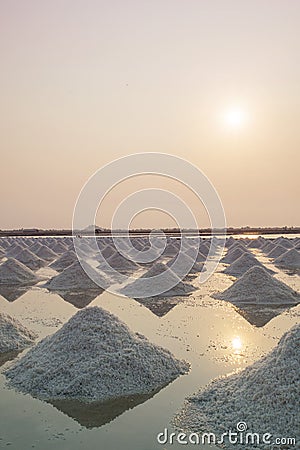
(83, 366)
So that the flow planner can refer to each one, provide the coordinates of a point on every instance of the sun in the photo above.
(236, 343)
(235, 118)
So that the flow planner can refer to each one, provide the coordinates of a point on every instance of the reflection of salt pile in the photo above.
(13, 335)
(257, 286)
(45, 253)
(13, 272)
(64, 261)
(94, 357)
(289, 259)
(30, 260)
(242, 264)
(265, 396)
(75, 278)
(144, 285)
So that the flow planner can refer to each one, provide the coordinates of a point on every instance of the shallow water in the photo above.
(214, 336)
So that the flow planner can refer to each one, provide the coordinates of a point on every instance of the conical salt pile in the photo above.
(171, 249)
(144, 285)
(284, 242)
(94, 357)
(108, 251)
(264, 396)
(121, 264)
(13, 335)
(242, 264)
(46, 253)
(30, 260)
(276, 251)
(14, 249)
(289, 259)
(257, 243)
(268, 247)
(185, 262)
(13, 272)
(64, 261)
(233, 254)
(75, 278)
(58, 247)
(257, 286)
(200, 257)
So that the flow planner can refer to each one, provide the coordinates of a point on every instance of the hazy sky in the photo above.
(85, 82)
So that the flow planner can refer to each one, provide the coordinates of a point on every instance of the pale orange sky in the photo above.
(85, 82)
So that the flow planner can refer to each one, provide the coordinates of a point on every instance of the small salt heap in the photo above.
(64, 261)
(14, 249)
(75, 278)
(278, 250)
(121, 264)
(242, 264)
(13, 272)
(58, 247)
(144, 285)
(264, 396)
(233, 254)
(289, 259)
(94, 357)
(13, 335)
(46, 253)
(30, 260)
(258, 287)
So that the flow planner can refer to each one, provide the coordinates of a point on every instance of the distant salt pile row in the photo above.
(258, 287)
(94, 357)
(265, 396)
(13, 335)
(284, 252)
(143, 286)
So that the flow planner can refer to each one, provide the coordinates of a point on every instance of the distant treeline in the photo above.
(168, 231)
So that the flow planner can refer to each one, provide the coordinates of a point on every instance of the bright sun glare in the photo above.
(235, 118)
(236, 343)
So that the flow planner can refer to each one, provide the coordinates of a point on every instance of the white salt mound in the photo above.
(278, 250)
(257, 286)
(74, 277)
(94, 357)
(45, 253)
(13, 335)
(242, 264)
(233, 253)
(30, 260)
(58, 247)
(64, 261)
(265, 395)
(144, 284)
(13, 272)
(120, 263)
(289, 259)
